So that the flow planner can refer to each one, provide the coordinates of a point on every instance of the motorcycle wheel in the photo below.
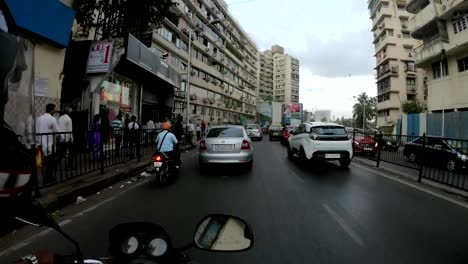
(163, 175)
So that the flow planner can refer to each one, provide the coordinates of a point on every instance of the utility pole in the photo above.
(364, 114)
(443, 97)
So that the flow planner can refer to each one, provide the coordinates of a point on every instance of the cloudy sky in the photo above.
(331, 39)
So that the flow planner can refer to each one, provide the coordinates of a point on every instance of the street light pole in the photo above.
(364, 114)
(443, 97)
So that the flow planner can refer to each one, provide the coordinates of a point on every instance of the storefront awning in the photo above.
(48, 19)
(139, 54)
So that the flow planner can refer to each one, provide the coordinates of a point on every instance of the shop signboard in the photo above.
(99, 59)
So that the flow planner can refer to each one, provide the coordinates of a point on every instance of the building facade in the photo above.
(224, 61)
(265, 88)
(442, 26)
(398, 80)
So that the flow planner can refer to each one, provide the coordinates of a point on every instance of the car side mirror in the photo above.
(223, 233)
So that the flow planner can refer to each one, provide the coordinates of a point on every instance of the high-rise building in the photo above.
(442, 26)
(279, 76)
(398, 80)
(223, 81)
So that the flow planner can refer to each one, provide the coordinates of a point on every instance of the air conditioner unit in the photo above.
(410, 55)
(192, 73)
(193, 97)
(404, 26)
(185, 31)
(394, 69)
(189, 14)
(207, 49)
(206, 100)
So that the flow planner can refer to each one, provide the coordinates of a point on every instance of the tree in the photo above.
(117, 18)
(412, 107)
(369, 104)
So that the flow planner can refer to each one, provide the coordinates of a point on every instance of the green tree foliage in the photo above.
(370, 105)
(412, 107)
(117, 18)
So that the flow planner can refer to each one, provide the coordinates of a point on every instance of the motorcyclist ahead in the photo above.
(166, 142)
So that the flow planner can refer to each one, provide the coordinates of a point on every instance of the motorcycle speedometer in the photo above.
(157, 247)
(129, 245)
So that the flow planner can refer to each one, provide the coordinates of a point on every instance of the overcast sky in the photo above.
(331, 39)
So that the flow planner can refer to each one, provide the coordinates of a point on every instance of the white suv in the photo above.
(321, 141)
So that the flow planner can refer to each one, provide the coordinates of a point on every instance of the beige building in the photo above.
(278, 76)
(265, 87)
(224, 61)
(442, 25)
(398, 80)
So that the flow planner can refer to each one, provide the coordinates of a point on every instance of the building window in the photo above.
(463, 64)
(410, 66)
(411, 81)
(405, 34)
(383, 85)
(460, 25)
(203, 110)
(436, 73)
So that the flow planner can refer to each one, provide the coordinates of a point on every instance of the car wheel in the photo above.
(345, 163)
(302, 155)
(412, 157)
(451, 165)
(290, 152)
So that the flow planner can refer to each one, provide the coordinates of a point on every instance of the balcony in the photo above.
(424, 20)
(452, 9)
(411, 89)
(387, 69)
(430, 50)
(389, 104)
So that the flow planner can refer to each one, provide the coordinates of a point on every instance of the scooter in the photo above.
(144, 242)
(165, 169)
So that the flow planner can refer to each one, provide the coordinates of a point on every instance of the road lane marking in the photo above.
(24, 243)
(351, 233)
(415, 186)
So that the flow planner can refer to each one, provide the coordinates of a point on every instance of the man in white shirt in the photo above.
(66, 138)
(46, 123)
(134, 137)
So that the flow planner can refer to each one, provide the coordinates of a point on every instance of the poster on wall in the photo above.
(292, 114)
(99, 59)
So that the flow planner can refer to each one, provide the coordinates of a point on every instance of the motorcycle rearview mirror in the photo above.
(220, 232)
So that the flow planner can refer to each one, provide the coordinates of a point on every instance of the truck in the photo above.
(269, 113)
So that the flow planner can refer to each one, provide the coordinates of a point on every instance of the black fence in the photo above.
(63, 157)
(443, 160)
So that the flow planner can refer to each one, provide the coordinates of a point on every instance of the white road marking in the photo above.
(415, 186)
(65, 222)
(351, 233)
(24, 242)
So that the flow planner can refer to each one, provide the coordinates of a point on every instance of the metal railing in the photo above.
(65, 158)
(443, 160)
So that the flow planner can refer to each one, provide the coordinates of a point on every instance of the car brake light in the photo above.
(245, 145)
(157, 158)
(202, 145)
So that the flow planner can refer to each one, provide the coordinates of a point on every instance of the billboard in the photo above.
(292, 114)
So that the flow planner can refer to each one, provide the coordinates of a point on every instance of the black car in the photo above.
(438, 152)
(275, 132)
(389, 144)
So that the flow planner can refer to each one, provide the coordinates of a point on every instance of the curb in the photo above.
(55, 200)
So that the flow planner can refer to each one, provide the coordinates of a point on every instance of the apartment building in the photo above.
(265, 88)
(224, 63)
(442, 26)
(285, 76)
(398, 80)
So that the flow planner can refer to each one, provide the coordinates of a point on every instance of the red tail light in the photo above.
(158, 158)
(245, 145)
(202, 145)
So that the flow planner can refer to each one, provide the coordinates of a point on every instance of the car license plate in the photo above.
(369, 149)
(157, 164)
(332, 156)
(275, 134)
(223, 147)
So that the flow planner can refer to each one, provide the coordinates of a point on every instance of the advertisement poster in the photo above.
(265, 113)
(99, 59)
(292, 114)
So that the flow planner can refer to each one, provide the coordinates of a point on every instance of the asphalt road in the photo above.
(299, 214)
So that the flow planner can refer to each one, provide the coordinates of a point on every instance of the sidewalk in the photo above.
(411, 175)
(64, 193)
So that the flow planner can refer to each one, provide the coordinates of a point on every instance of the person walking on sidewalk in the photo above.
(66, 140)
(198, 132)
(46, 123)
(94, 138)
(190, 131)
(134, 138)
(203, 128)
(117, 131)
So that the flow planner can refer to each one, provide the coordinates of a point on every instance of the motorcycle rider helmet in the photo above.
(166, 126)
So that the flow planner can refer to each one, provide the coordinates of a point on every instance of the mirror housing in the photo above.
(226, 233)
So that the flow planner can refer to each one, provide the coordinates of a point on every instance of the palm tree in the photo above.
(366, 104)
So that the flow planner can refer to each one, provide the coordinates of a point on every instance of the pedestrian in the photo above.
(198, 132)
(47, 124)
(150, 131)
(66, 138)
(117, 131)
(95, 137)
(125, 132)
(190, 131)
(203, 128)
(133, 137)
(179, 128)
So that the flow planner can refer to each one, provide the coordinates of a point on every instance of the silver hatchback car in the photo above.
(226, 144)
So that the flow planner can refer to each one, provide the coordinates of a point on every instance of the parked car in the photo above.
(228, 144)
(321, 141)
(287, 132)
(275, 132)
(254, 131)
(438, 152)
(389, 144)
